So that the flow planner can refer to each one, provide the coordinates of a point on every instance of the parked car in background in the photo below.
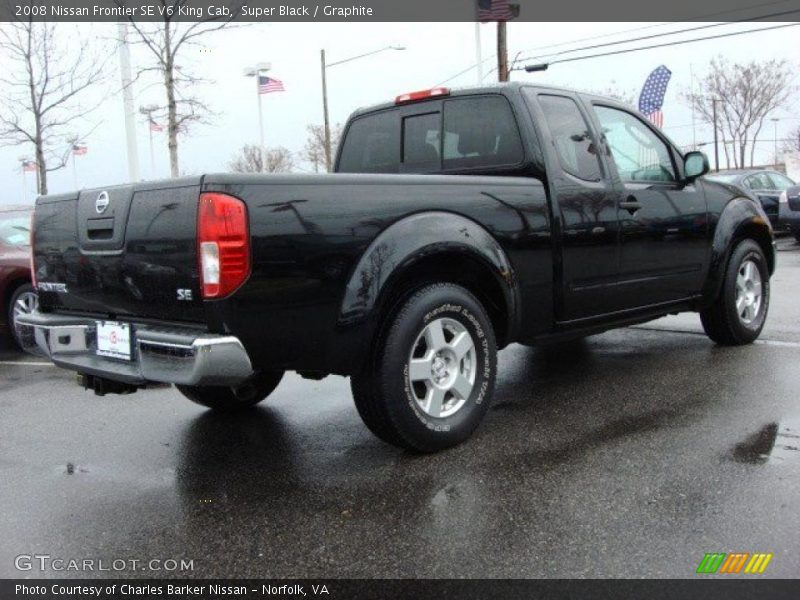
(789, 211)
(16, 292)
(766, 185)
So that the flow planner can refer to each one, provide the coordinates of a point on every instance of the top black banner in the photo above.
(276, 11)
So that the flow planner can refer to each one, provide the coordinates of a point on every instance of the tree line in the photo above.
(48, 78)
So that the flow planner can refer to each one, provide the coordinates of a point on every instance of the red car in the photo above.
(17, 295)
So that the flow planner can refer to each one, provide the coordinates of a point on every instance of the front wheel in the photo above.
(231, 399)
(739, 312)
(431, 376)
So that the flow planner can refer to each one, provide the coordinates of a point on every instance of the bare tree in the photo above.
(745, 94)
(791, 143)
(165, 40)
(619, 94)
(44, 92)
(248, 160)
(314, 150)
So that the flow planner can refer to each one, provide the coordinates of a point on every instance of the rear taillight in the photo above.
(33, 267)
(223, 244)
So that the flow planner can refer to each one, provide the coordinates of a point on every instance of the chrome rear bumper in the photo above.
(182, 356)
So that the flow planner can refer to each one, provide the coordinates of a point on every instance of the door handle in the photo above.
(631, 204)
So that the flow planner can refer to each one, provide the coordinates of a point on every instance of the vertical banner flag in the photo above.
(651, 99)
(267, 85)
(494, 10)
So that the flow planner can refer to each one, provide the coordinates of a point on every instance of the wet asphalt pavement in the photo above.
(629, 454)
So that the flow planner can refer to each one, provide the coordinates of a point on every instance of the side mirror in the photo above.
(695, 164)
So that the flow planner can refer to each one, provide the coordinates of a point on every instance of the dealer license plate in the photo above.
(114, 339)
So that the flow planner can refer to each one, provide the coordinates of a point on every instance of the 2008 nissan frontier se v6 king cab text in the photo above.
(457, 223)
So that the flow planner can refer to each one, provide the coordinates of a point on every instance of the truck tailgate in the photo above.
(120, 251)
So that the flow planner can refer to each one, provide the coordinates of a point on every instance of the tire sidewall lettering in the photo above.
(465, 316)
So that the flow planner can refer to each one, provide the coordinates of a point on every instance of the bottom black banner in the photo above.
(438, 589)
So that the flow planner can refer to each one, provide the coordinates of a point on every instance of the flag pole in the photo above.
(260, 122)
(74, 168)
(478, 53)
(152, 154)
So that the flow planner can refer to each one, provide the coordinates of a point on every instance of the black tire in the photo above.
(231, 399)
(21, 295)
(797, 237)
(721, 321)
(388, 401)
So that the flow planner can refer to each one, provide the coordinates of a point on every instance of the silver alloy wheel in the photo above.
(441, 367)
(27, 303)
(748, 292)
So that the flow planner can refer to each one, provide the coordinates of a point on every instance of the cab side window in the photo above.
(576, 150)
(480, 132)
(639, 154)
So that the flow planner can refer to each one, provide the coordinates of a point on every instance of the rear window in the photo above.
(372, 145)
(467, 133)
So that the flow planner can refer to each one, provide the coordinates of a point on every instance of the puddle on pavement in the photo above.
(775, 443)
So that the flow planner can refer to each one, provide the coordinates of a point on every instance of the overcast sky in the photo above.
(435, 52)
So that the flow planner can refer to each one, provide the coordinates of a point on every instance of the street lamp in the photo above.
(256, 71)
(148, 112)
(325, 67)
(775, 138)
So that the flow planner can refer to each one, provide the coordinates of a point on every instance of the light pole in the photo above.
(72, 139)
(325, 66)
(148, 112)
(256, 71)
(775, 138)
(127, 102)
(716, 134)
(23, 162)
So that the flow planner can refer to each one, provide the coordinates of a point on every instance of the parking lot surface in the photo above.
(628, 454)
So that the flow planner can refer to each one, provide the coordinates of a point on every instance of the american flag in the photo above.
(79, 149)
(494, 10)
(28, 166)
(155, 126)
(269, 84)
(651, 100)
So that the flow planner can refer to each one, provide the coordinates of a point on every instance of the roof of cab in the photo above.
(501, 88)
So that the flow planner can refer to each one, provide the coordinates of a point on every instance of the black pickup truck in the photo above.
(458, 222)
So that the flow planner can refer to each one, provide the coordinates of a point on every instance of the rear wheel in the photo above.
(739, 312)
(24, 301)
(430, 379)
(233, 398)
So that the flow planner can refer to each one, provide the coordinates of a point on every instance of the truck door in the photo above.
(663, 226)
(584, 208)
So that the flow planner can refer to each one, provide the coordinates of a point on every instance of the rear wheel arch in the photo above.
(457, 267)
(428, 248)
